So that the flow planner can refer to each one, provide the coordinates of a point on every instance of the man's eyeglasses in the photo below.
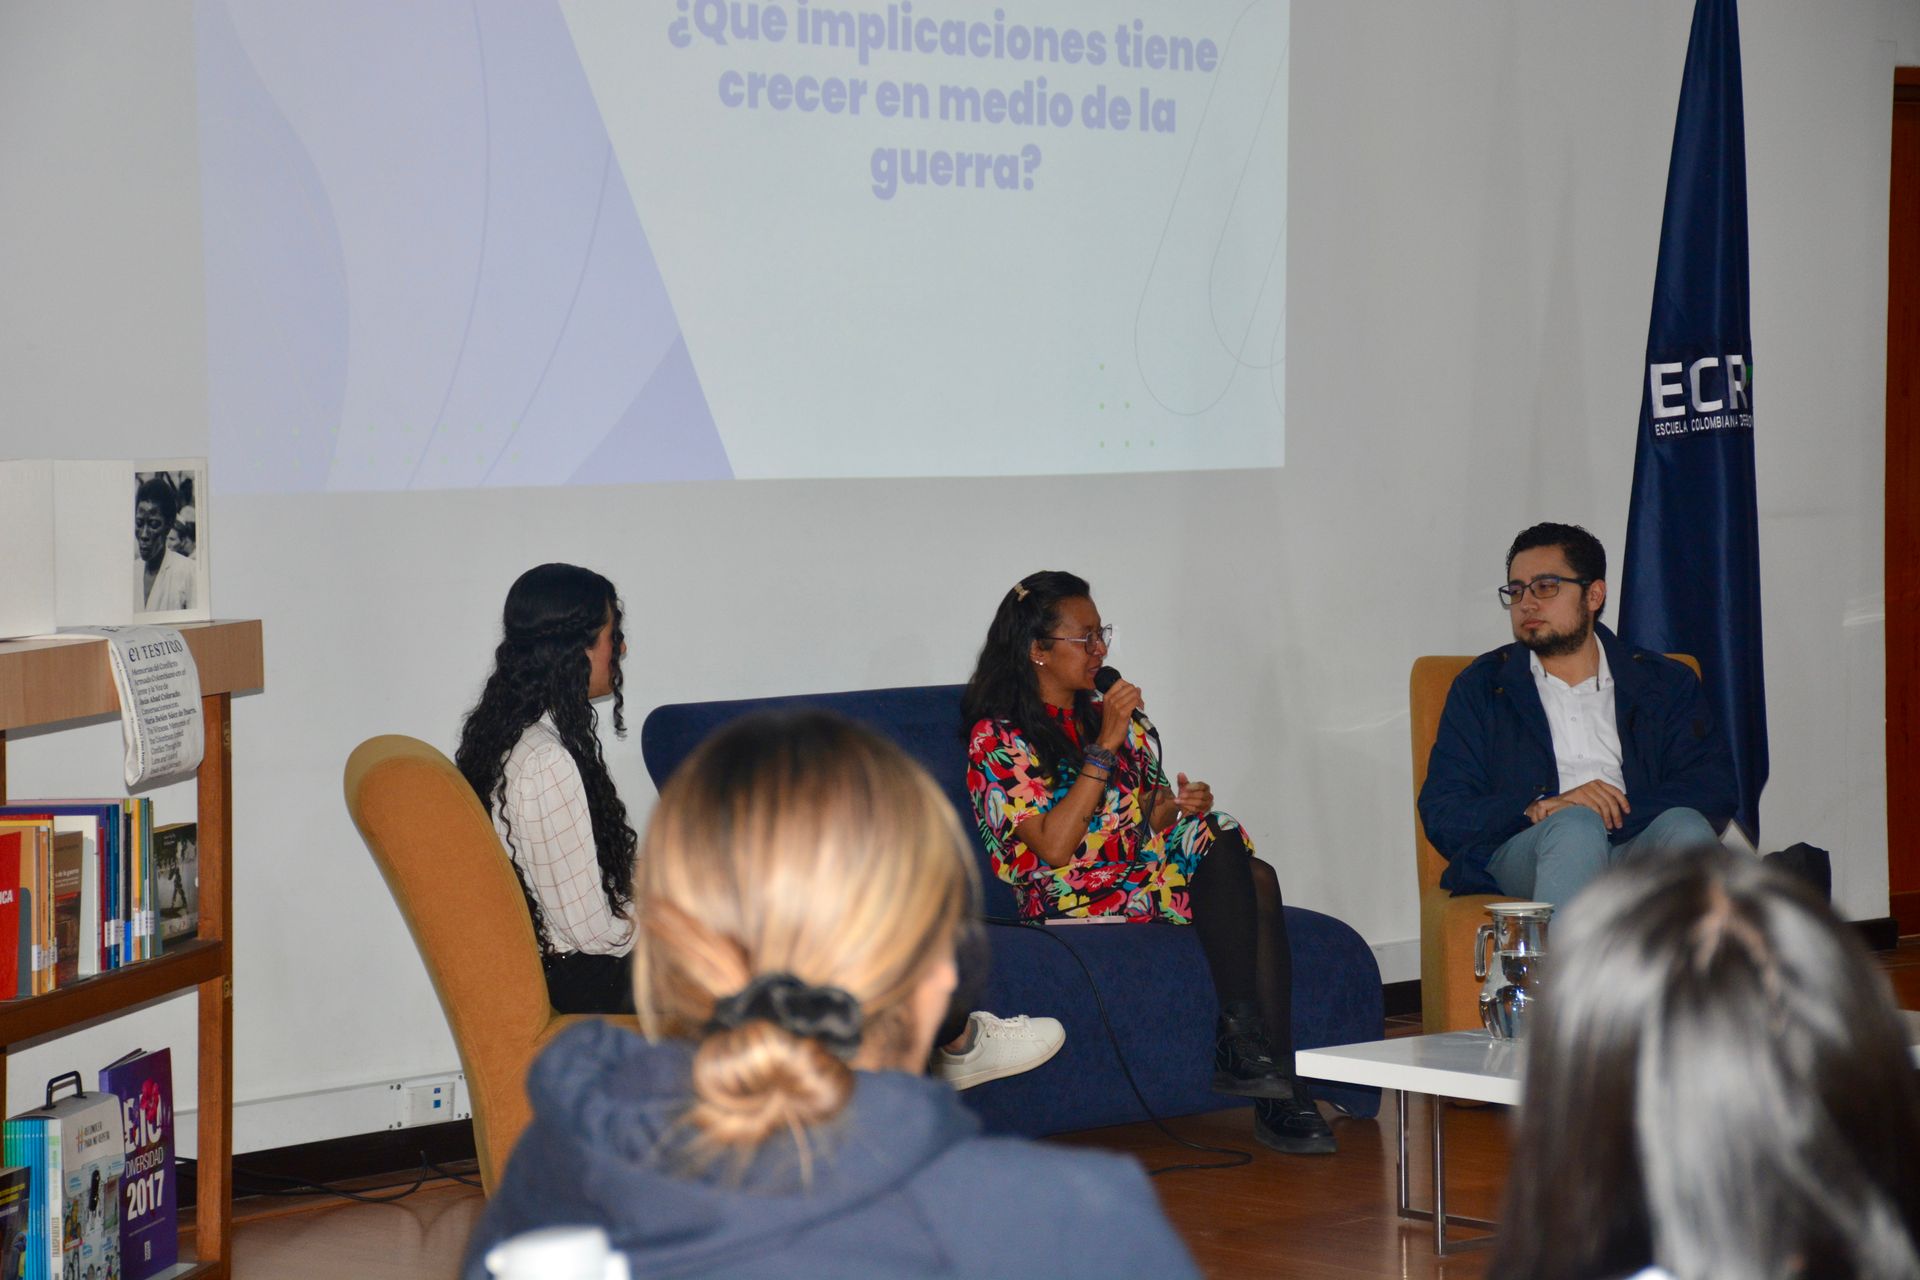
(1544, 587)
(1104, 635)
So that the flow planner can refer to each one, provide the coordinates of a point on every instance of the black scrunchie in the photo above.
(827, 1014)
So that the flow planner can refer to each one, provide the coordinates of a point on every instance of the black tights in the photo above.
(1243, 931)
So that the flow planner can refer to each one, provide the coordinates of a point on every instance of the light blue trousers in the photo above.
(1561, 854)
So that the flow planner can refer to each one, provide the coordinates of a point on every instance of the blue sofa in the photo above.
(1148, 981)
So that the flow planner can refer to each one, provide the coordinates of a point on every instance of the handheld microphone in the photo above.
(1104, 679)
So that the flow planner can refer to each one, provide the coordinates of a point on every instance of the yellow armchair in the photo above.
(449, 874)
(1449, 995)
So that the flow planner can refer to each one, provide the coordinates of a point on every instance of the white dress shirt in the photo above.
(1586, 737)
(173, 584)
(544, 819)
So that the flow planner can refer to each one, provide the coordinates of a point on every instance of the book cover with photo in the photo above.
(16, 1189)
(176, 858)
(149, 1211)
(170, 510)
(104, 578)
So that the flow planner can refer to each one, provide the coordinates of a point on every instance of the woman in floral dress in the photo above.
(1080, 819)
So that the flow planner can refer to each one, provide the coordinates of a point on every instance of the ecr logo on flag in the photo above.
(1708, 394)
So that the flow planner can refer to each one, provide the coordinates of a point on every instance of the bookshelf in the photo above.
(45, 684)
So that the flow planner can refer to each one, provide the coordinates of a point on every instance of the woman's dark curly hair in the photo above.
(1003, 685)
(553, 616)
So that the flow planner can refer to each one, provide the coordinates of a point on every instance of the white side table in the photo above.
(1456, 1064)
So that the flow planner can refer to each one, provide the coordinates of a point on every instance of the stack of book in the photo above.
(88, 1188)
(87, 886)
(74, 1151)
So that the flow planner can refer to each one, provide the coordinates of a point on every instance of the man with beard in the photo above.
(1567, 751)
(162, 578)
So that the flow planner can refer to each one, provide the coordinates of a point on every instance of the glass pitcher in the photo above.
(1511, 976)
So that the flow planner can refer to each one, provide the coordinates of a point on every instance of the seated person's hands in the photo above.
(1190, 799)
(1195, 799)
(1603, 798)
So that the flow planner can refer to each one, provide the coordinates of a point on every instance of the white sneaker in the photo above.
(1001, 1047)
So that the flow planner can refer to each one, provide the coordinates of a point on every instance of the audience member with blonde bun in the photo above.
(1718, 1087)
(798, 897)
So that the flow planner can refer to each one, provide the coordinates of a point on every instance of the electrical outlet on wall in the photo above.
(426, 1100)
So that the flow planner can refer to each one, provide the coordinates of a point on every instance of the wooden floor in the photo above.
(1314, 1218)
(1330, 1217)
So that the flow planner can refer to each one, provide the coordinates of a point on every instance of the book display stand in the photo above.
(46, 683)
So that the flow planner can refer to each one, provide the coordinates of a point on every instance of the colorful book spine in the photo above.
(36, 899)
(95, 821)
(69, 878)
(10, 969)
(27, 1144)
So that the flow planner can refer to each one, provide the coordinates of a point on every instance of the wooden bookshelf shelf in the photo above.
(184, 964)
(45, 684)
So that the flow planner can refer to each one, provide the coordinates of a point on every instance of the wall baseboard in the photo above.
(1398, 960)
(1905, 908)
(399, 1152)
(1401, 998)
(1880, 933)
(304, 1119)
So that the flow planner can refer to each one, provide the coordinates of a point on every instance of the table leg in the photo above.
(1438, 1215)
(1437, 1121)
(1400, 1137)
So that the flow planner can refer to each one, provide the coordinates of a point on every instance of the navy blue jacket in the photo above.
(1493, 755)
(902, 1185)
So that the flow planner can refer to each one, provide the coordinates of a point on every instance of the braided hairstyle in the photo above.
(1003, 686)
(553, 615)
(804, 846)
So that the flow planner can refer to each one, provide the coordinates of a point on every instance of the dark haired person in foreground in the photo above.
(799, 896)
(1081, 821)
(1718, 1087)
(1567, 750)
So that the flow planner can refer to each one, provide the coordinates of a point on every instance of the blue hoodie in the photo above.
(903, 1184)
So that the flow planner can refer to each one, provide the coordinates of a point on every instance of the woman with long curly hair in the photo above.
(531, 750)
(799, 899)
(1080, 819)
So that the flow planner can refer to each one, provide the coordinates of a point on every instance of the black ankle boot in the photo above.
(1293, 1126)
(1243, 1065)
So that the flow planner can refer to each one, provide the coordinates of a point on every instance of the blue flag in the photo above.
(1692, 563)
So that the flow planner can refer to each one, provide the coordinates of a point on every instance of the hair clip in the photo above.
(1019, 592)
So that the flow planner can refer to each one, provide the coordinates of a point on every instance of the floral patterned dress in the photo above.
(1122, 867)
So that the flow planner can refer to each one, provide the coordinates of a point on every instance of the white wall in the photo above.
(1476, 194)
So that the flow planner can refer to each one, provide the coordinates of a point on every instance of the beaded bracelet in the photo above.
(1100, 756)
